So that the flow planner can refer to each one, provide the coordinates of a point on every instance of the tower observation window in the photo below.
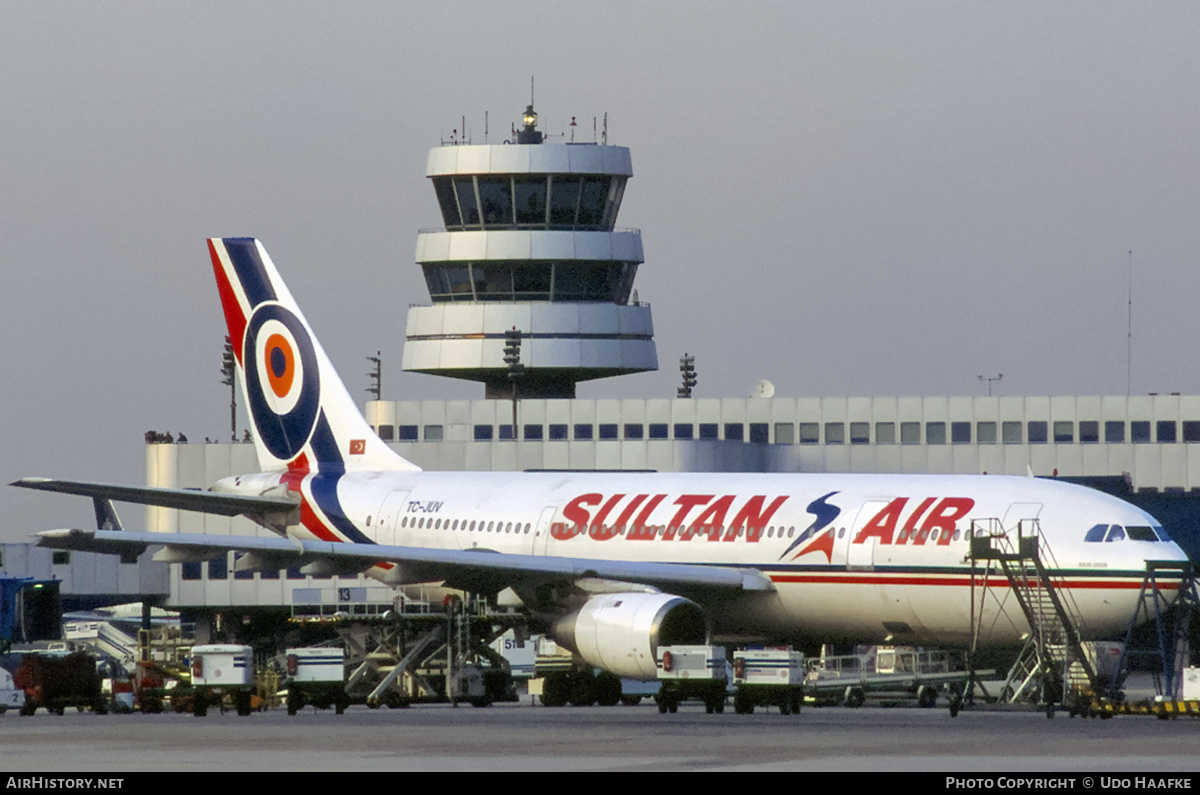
(529, 201)
(603, 281)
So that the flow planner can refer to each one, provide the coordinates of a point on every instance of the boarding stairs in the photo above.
(1172, 617)
(1053, 648)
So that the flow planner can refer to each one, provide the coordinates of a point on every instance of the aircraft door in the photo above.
(1022, 515)
(861, 555)
(388, 516)
(541, 531)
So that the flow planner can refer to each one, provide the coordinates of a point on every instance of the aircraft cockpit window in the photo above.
(1141, 533)
(1115, 533)
(1161, 533)
(1096, 534)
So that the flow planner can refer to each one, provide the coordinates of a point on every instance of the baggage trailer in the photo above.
(316, 676)
(220, 670)
(768, 677)
(901, 671)
(58, 681)
(692, 672)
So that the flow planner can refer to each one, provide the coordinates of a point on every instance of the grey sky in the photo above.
(845, 198)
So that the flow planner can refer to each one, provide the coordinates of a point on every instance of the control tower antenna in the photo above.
(1129, 334)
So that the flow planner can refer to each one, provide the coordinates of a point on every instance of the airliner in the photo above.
(613, 565)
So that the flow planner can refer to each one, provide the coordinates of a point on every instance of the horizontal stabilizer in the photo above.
(182, 499)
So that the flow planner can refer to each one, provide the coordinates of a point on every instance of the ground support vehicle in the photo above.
(895, 671)
(220, 670)
(686, 672)
(58, 681)
(768, 677)
(316, 676)
(11, 696)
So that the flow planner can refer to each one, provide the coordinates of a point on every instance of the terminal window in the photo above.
(960, 432)
(483, 433)
(1139, 431)
(785, 433)
(1038, 432)
(734, 432)
(1064, 432)
(885, 433)
(835, 433)
(408, 433)
(1011, 432)
(1114, 432)
(558, 432)
(1191, 431)
(506, 433)
(1089, 431)
(433, 433)
(1164, 431)
(860, 433)
(760, 433)
(810, 433)
(533, 432)
(935, 433)
(709, 430)
(659, 430)
(685, 430)
(910, 433)
(583, 432)
(608, 430)
(387, 432)
(634, 431)
(985, 432)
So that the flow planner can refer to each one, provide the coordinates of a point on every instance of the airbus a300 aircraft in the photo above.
(612, 564)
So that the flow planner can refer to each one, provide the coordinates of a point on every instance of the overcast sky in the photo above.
(844, 198)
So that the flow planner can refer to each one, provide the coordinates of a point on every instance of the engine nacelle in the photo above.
(621, 632)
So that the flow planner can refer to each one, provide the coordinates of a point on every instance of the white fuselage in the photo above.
(865, 557)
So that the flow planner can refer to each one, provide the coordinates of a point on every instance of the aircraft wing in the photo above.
(183, 499)
(467, 569)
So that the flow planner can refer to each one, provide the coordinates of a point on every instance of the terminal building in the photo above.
(530, 243)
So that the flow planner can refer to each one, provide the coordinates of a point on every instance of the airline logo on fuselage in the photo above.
(729, 517)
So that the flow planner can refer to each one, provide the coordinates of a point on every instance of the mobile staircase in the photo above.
(1054, 666)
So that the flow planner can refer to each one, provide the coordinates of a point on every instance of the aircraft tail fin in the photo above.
(303, 416)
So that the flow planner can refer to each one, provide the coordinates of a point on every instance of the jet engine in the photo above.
(621, 632)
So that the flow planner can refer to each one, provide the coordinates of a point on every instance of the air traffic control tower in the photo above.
(530, 243)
